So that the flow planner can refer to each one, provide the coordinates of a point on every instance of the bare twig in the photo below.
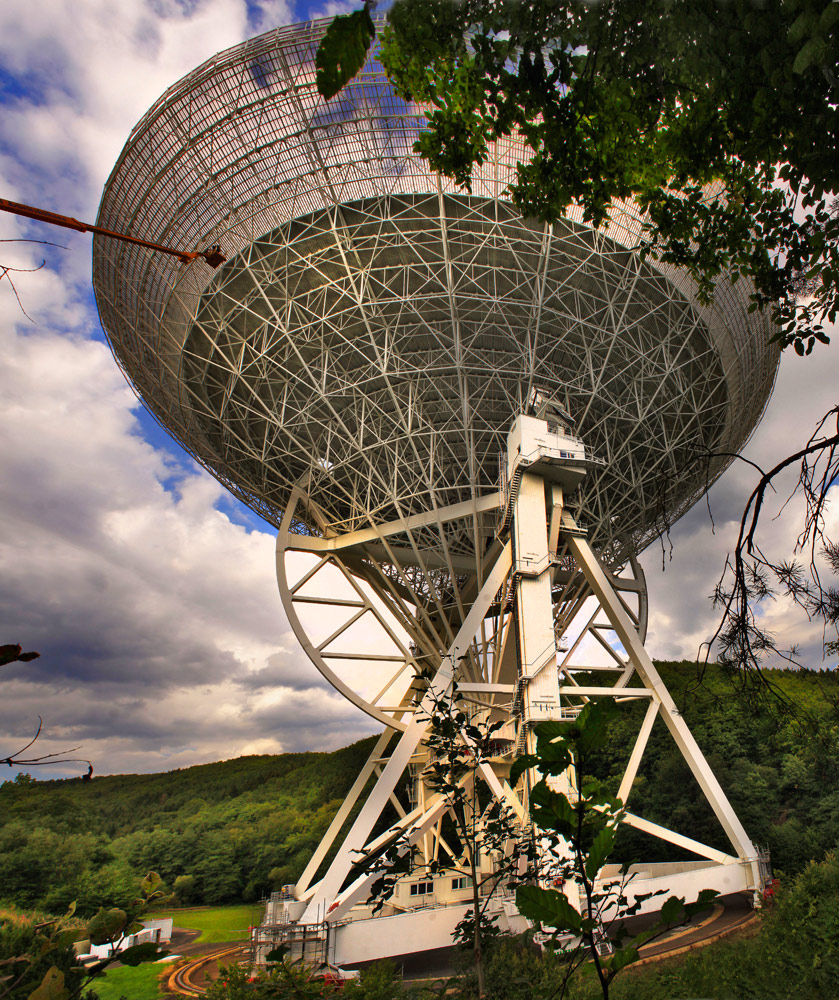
(751, 575)
(13, 653)
(43, 243)
(4, 273)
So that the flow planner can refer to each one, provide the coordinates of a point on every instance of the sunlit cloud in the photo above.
(154, 605)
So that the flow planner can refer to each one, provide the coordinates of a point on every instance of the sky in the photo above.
(149, 592)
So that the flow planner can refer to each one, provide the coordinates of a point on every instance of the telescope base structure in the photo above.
(359, 938)
(506, 643)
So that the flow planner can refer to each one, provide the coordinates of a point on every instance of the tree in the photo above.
(343, 50)
(185, 889)
(575, 832)
(720, 119)
(750, 575)
(459, 746)
(36, 951)
(38, 959)
(653, 100)
(578, 828)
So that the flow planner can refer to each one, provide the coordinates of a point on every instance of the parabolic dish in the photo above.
(375, 331)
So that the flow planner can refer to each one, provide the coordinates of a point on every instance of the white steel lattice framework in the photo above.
(353, 370)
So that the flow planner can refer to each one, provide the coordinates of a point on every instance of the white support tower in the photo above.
(540, 576)
(374, 343)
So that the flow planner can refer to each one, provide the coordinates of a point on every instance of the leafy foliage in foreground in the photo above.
(38, 956)
(718, 117)
(33, 948)
(342, 51)
(794, 955)
(579, 826)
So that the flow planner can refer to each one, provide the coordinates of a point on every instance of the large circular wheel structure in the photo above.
(359, 358)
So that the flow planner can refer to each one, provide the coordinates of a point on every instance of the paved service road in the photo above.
(728, 915)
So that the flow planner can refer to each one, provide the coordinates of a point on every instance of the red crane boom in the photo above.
(213, 256)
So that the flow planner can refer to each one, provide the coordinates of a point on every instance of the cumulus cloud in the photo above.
(333, 8)
(152, 610)
(162, 638)
(150, 607)
(282, 670)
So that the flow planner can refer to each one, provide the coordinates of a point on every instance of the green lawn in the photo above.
(222, 923)
(140, 983)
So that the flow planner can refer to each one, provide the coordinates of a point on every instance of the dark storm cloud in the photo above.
(284, 671)
(162, 639)
(115, 652)
(332, 722)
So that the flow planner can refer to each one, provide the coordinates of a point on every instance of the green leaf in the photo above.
(705, 898)
(69, 936)
(549, 907)
(151, 884)
(829, 17)
(621, 958)
(52, 987)
(553, 757)
(594, 722)
(520, 765)
(601, 848)
(551, 729)
(619, 934)
(552, 810)
(106, 925)
(342, 51)
(802, 26)
(807, 55)
(672, 910)
(98, 968)
(148, 951)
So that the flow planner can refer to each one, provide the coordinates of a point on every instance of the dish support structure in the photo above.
(510, 648)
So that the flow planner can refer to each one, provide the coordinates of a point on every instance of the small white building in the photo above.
(157, 931)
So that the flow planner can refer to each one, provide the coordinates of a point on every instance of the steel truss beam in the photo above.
(379, 329)
(477, 648)
(352, 370)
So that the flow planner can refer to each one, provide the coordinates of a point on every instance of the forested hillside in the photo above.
(235, 830)
(776, 755)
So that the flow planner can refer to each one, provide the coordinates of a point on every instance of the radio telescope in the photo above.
(464, 425)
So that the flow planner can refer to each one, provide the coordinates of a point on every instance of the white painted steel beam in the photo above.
(486, 688)
(441, 515)
(679, 840)
(340, 817)
(684, 739)
(605, 692)
(356, 838)
(634, 762)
